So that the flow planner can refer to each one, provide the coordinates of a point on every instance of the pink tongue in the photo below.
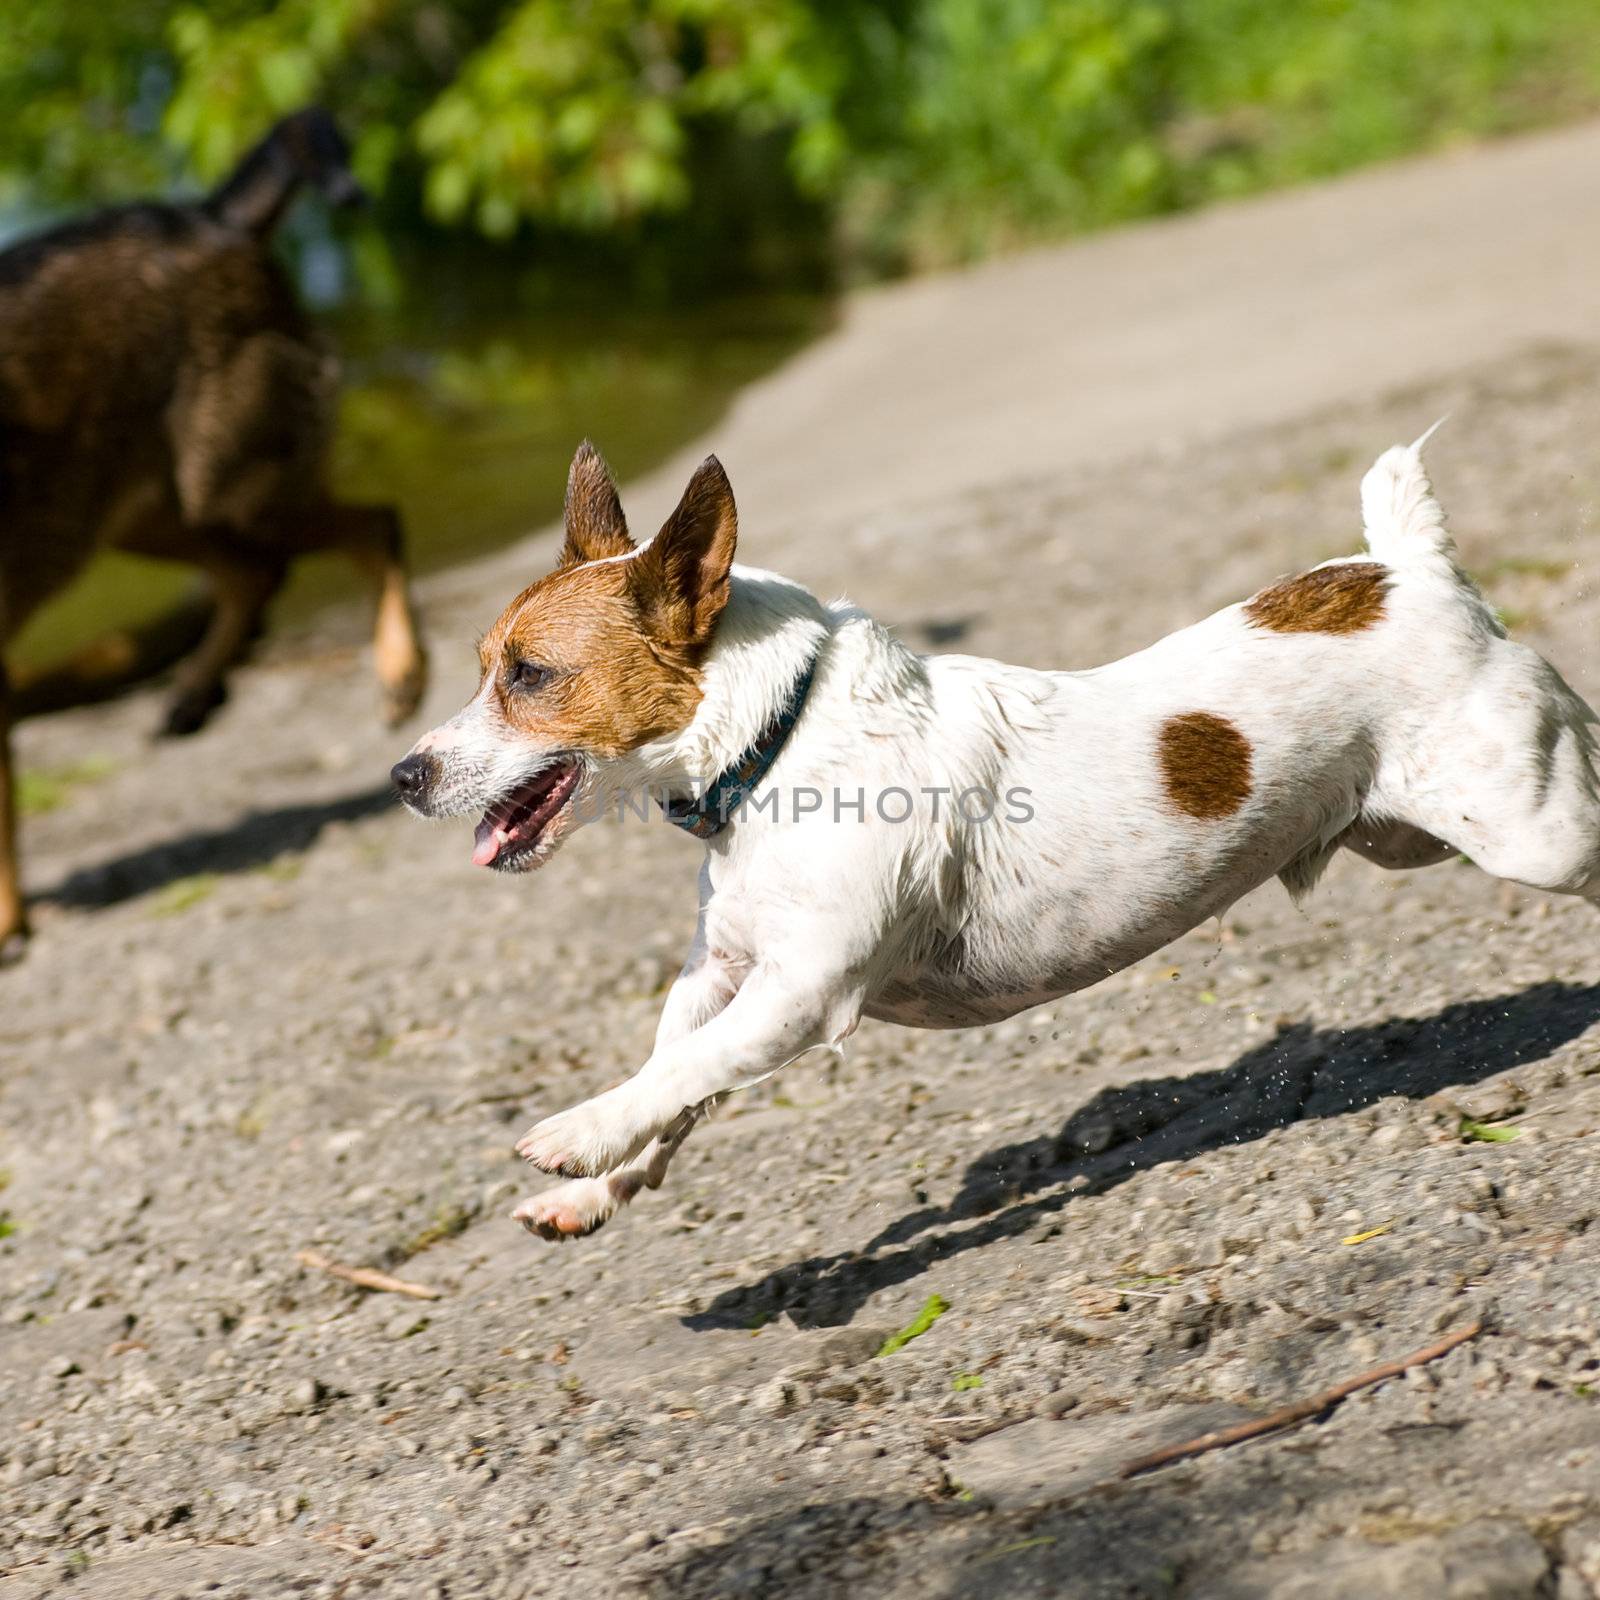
(486, 842)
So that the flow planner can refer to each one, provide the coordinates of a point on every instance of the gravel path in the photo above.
(268, 1013)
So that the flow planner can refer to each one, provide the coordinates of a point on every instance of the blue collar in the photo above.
(708, 815)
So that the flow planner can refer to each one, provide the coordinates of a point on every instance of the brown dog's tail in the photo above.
(306, 147)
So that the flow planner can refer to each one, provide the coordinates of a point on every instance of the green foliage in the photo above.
(81, 85)
(930, 128)
(1030, 114)
(582, 114)
(1028, 117)
(237, 72)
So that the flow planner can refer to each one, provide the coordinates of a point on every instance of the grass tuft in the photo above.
(44, 789)
(183, 894)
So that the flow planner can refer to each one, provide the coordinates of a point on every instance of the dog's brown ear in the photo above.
(681, 576)
(596, 527)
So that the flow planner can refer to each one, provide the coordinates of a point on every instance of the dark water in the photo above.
(468, 421)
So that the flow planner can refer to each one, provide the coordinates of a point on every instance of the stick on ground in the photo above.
(366, 1277)
(1300, 1411)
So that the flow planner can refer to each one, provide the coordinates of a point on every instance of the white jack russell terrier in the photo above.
(1373, 702)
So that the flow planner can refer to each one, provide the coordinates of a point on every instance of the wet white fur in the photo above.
(1425, 734)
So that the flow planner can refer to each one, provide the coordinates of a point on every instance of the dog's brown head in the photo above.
(303, 148)
(317, 152)
(588, 664)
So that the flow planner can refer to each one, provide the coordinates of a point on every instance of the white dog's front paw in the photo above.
(571, 1210)
(589, 1140)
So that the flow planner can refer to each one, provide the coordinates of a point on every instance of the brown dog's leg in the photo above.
(244, 574)
(114, 662)
(242, 588)
(371, 537)
(13, 921)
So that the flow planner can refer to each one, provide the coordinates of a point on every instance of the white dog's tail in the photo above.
(1405, 524)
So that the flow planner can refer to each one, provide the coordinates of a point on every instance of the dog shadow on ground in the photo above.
(1300, 1074)
(251, 841)
(1092, 1545)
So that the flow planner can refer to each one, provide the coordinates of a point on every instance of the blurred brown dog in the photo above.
(162, 392)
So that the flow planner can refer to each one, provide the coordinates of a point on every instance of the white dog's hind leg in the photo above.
(1394, 846)
(1511, 781)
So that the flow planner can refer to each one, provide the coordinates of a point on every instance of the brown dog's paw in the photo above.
(189, 711)
(13, 947)
(402, 697)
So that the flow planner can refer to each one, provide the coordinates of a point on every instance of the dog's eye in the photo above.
(527, 675)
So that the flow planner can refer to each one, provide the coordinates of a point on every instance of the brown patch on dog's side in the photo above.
(1339, 599)
(1205, 765)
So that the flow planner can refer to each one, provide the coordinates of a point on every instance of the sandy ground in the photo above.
(268, 1013)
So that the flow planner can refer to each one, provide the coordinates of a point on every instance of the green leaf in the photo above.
(933, 1308)
(288, 77)
(449, 186)
(966, 1380)
(1486, 1133)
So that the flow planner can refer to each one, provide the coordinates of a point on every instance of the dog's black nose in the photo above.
(412, 776)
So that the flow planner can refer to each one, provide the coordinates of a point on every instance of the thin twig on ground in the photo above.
(366, 1277)
(1300, 1411)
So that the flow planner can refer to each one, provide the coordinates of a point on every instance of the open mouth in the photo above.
(516, 825)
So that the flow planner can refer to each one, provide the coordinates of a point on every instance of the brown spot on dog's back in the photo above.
(1205, 765)
(1340, 599)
